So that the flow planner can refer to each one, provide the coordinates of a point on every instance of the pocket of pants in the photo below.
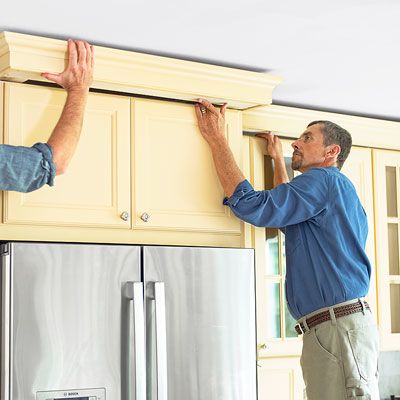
(324, 338)
(364, 344)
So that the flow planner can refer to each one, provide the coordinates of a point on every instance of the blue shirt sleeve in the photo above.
(25, 169)
(291, 203)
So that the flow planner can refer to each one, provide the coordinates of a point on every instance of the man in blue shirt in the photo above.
(328, 272)
(25, 169)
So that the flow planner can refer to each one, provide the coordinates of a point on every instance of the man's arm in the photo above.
(274, 150)
(211, 122)
(76, 80)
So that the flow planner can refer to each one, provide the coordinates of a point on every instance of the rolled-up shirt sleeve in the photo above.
(287, 204)
(24, 169)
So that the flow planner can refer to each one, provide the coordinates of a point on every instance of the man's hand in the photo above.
(211, 121)
(76, 80)
(274, 150)
(274, 145)
(78, 75)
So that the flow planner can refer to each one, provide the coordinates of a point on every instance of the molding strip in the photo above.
(24, 57)
(291, 122)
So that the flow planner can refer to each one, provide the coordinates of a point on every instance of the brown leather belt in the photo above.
(323, 316)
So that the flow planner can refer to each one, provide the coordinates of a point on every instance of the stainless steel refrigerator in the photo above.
(121, 322)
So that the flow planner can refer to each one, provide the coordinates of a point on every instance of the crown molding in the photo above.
(24, 57)
(291, 122)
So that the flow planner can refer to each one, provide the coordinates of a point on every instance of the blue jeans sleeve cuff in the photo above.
(47, 162)
(241, 190)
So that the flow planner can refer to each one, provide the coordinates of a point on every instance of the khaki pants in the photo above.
(340, 358)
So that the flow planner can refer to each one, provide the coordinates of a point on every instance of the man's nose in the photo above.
(294, 145)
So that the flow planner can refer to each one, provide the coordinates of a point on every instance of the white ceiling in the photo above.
(340, 55)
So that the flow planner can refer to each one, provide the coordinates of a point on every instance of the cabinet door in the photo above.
(358, 168)
(95, 189)
(387, 223)
(280, 379)
(275, 326)
(175, 183)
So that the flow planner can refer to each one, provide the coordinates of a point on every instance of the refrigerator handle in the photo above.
(5, 325)
(161, 340)
(135, 294)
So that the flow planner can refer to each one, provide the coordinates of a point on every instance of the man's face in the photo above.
(309, 150)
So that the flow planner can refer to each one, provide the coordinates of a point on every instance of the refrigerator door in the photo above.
(207, 348)
(70, 321)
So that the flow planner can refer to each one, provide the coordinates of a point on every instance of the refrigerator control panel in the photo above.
(79, 394)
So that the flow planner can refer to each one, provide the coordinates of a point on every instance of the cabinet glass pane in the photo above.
(272, 252)
(273, 310)
(391, 191)
(290, 322)
(393, 244)
(395, 307)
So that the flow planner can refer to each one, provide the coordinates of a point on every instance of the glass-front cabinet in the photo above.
(276, 334)
(387, 219)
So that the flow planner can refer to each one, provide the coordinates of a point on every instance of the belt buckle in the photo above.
(302, 332)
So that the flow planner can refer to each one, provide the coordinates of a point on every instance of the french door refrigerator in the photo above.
(121, 322)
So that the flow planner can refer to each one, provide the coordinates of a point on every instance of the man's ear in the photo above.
(333, 151)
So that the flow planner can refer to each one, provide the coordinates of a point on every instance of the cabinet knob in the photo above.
(124, 215)
(145, 217)
(262, 346)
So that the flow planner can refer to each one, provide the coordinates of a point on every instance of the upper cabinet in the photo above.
(175, 184)
(141, 166)
(387, 220)
(95, 191)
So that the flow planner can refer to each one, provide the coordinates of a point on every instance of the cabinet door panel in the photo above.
(387, 224)
(358, 168)
(175, 182)
(280, 378)
(95, 189)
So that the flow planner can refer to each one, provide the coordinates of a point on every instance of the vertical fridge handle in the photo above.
(161, 340)
(135, 294)
(5, 327)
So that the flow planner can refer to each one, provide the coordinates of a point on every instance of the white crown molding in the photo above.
(291, 122)
(24, 57)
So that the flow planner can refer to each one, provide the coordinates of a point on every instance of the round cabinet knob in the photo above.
(262, 346)
(145, 217)
(124, 215)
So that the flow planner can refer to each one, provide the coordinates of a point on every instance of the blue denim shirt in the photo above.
(326, 231)
(25, 169)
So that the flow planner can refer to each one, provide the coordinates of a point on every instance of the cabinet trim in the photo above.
(291, 122)
(23, 57)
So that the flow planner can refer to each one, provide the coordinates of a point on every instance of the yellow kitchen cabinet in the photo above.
(358, 168)
(95, 190)
(280, 379)
(275, 325)
(175, 185)
(387, 225)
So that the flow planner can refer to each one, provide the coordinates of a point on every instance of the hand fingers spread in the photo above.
(209, 106)
(72, 54)
(81, 53)
(52, 77)
(92, 57)
(88, 55)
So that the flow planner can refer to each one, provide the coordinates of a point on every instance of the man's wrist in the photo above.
(78, 90)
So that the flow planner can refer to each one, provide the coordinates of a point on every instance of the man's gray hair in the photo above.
(335, 134)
